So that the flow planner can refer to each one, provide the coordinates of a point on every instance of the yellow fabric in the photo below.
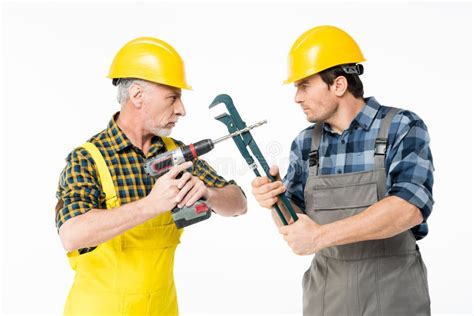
(320, 48)
(150, 59)
(131, 274)
(104, 176)
(169, 143)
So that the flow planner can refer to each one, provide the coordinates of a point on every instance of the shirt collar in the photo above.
(119, 140)
(364, 118)
(367, 115)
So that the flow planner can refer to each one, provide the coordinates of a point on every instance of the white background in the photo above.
(55, 96)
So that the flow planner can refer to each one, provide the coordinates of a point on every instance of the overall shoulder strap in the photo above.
(104, 176)
(315, 141)
(381, 140)
(169, 143)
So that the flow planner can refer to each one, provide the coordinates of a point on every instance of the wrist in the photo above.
(209, 195)
(145, 208)
(323, 236)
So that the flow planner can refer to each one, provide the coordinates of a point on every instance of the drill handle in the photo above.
(161, 164)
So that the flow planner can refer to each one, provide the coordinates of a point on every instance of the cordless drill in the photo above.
(161, 164)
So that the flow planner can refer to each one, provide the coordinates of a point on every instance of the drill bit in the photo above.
(248, 128)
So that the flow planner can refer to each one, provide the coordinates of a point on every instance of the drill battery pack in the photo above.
(195, 213)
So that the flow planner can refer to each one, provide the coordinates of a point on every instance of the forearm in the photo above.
(227, 201)
(384, 219)
(99, 225)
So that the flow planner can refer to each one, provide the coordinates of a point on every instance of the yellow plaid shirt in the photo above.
(79, 188)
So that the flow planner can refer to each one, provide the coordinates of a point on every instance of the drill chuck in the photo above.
(192, 151)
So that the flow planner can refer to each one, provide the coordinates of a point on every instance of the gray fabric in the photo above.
(379, 160)
(375, 277)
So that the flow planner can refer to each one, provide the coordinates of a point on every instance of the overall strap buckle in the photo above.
(380, 146)
(314, 158)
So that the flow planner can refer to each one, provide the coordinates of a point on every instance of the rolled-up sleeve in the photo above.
(208, 175)
(410, 166)
(297, 173)
(78, 189)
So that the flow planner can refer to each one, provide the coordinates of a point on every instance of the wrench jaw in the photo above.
(235, 121)
(231, 119)
(222, 98)
(228, 121)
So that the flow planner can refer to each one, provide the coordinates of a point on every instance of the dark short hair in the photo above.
(354, 84)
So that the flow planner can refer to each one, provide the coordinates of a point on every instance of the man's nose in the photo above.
(179, 108)
(298, 96)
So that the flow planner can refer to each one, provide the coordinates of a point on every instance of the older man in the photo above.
(112, 218)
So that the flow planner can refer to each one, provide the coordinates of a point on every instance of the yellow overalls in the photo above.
(131, 274)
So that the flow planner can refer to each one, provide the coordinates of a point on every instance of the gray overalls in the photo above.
(376, 277)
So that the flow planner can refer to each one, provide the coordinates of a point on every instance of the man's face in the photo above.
(162, 108)
(316, 99)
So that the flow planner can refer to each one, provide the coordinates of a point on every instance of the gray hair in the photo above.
(124, 84)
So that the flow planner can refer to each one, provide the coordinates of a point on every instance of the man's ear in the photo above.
(340, 86)
(135, 93)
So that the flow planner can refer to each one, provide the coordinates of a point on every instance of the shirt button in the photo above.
(343, 141)
(339, 171)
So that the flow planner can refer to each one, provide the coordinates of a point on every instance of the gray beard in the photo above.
(162, 132)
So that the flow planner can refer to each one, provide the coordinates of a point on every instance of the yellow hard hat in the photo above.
(150, 59)
(320, 48)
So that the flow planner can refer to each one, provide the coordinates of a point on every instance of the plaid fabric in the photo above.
(409, 162)
(79, 188)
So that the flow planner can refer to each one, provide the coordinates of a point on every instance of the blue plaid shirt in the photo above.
(409, 163)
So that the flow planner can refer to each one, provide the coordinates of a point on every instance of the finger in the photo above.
(188, 195)
(274, 171)
(171, 193)
(184, 179)
(298, 252)
(260, 181)
(177, 169)
(184, 191)
(284, 230)
(195, 195)
(186, 199)
(265, 202)
(264, 189)
(301, 215)
(273, 193)
(269, 203)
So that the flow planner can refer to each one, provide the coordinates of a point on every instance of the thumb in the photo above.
(283, 230)
(275, 172)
